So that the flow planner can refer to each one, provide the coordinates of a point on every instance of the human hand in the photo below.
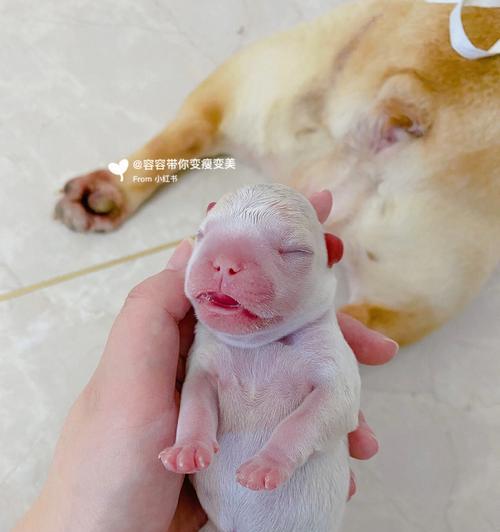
(106, 474)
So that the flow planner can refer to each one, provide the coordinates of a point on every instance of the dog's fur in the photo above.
(271, 383)
(372, 102)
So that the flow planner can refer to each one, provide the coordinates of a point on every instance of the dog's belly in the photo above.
(352, 182)
(312, 499)
(254, 397)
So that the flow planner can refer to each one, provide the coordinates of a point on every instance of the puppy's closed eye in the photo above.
(295, 252)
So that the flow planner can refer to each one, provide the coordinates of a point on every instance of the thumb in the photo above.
(143, 345)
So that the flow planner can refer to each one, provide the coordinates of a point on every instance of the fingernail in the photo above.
(352, 486)
(394, 345)
(180, 256)
(163, 459)
(372, 446)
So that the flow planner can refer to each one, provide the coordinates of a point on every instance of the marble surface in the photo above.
(83, 83)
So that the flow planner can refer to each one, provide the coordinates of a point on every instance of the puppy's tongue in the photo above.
(222, 299)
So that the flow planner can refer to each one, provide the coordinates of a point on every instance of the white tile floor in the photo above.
(82, 83)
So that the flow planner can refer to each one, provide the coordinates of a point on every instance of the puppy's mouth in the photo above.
(222, 303)
(219, 299)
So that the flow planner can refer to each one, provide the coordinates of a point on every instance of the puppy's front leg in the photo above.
(325, 414)
(196, 442)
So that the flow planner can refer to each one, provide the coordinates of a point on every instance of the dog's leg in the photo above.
(408, 272)
(405, 325)
(242, 108)
(99, 201)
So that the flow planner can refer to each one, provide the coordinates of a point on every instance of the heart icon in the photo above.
(119, 169)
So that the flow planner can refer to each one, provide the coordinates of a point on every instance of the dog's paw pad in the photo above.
(92, 202)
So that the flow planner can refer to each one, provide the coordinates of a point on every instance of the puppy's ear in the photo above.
(322, 203)
(211, 205)
(334, 248)
(402, 113)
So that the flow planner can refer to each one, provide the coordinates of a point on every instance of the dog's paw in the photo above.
(92, 202)
(188, 457)
(263, 472)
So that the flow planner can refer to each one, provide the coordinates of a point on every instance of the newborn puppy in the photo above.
(271, 387)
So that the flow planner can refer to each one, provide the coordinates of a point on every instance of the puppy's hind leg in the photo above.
(100, 201)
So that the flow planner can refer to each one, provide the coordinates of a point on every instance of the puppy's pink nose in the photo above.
(226, 266)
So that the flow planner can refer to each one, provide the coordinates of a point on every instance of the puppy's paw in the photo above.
(92, 202)
(263, 472)
(188, 457)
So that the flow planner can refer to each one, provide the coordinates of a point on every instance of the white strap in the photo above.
(459, 40)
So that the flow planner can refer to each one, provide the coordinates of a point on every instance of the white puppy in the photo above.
(271, 387)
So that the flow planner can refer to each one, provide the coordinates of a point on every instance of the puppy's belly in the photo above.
(312, 499)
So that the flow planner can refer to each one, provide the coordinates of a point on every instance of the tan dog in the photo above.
(371, 102)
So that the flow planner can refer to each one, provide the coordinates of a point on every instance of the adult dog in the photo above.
(372, 102)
